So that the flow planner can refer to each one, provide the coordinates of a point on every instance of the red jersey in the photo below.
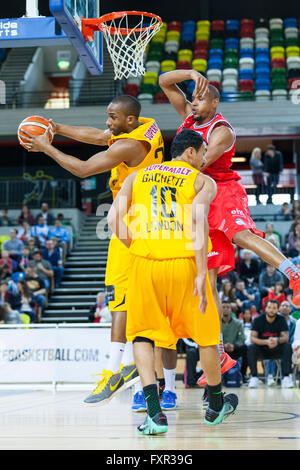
(220, 170)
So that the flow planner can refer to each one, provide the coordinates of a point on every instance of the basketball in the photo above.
(36, 125)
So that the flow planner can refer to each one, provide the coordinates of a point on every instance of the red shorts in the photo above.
(228, 214)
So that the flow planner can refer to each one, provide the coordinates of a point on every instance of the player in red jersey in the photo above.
(229, 216)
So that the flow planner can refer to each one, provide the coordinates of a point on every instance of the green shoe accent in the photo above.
(156, 425)
(229, 408)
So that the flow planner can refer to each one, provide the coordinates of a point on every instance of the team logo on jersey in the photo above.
(238, 212)
(212, 253)
(240, 222)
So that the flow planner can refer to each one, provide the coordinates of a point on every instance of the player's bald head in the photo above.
(213, 93)
(129, 105)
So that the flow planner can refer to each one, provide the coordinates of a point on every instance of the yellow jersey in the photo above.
(148, 131)
(161, 211)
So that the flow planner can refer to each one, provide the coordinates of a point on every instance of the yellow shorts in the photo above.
(116, 276)
(161, 305)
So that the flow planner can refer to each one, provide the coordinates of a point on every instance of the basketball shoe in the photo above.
(130, 376)
(156, 425)
(295, 286)
(139, 402)
(107, 388)
(226, 363)
(169, 400)
(230, 403)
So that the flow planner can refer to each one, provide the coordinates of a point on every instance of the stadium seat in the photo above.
(145, 98)
(230, 73)
(175, 26)
(184, 64)
(167, 65)
(246, 63)
(279, 95)
(229, 85)
(25, 318)
(131, 89)
(171, 46)
(262, 95)
(153, 66)
(246, 43)
(200, 65)
(214, 75)
(185, 55)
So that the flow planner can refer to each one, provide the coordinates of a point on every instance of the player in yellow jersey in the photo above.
(134, 142)
(169, 295)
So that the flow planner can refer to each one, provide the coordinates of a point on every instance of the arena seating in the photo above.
(243, 59)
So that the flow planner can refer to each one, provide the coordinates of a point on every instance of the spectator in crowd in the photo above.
(26, 216)
(4, 272)
(40, 231)
(99, 310)
(277, 294)
(257, 168)
(25, 259)
(273, 166)
(36, 286)
(294, 252)
(249, 268)
(270, 340)
(227, 294)
(285, 309)
(9, 316)
(24, 232)
(293, 236)
(62, 234)
(285, 212)
(52, 254)
(5, 294)
(43, 268)
(268, 278)
(5, 220)
(61, 218)
(296, 208)
(246, 319)
(7, 260)
(245, 298)
(272, 236)
(296, 345)
(47, 216)
(32, 245)
(233, 337)
(23, 301)
(13, 245)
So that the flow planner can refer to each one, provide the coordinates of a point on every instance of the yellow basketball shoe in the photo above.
(130, 375)
(107, 388)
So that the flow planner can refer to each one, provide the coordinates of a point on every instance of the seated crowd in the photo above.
(31, 263)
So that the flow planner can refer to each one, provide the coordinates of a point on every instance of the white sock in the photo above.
(138, 387)
(116, 352)
(128, 357)
(170, 376)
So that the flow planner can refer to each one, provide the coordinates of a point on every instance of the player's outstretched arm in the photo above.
(119, 209)
(124, 150)
(168, 83)
(221, 139)
(207, 190)
(88, 135)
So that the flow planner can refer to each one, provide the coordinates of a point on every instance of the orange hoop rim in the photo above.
(119, 14)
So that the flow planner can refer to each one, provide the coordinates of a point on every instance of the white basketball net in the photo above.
(127, 50)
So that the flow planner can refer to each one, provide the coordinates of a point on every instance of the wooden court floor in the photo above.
(267, 418)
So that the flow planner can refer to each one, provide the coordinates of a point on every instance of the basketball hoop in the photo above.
(126, 38)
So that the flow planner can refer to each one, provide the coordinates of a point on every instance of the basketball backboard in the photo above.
(68, 14)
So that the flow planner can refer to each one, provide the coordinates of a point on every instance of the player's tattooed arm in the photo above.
(206, 190)
(119, 209)
(88, 135)
(168, 83)
(221, 139)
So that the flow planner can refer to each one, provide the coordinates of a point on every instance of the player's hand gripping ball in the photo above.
(34, 125)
